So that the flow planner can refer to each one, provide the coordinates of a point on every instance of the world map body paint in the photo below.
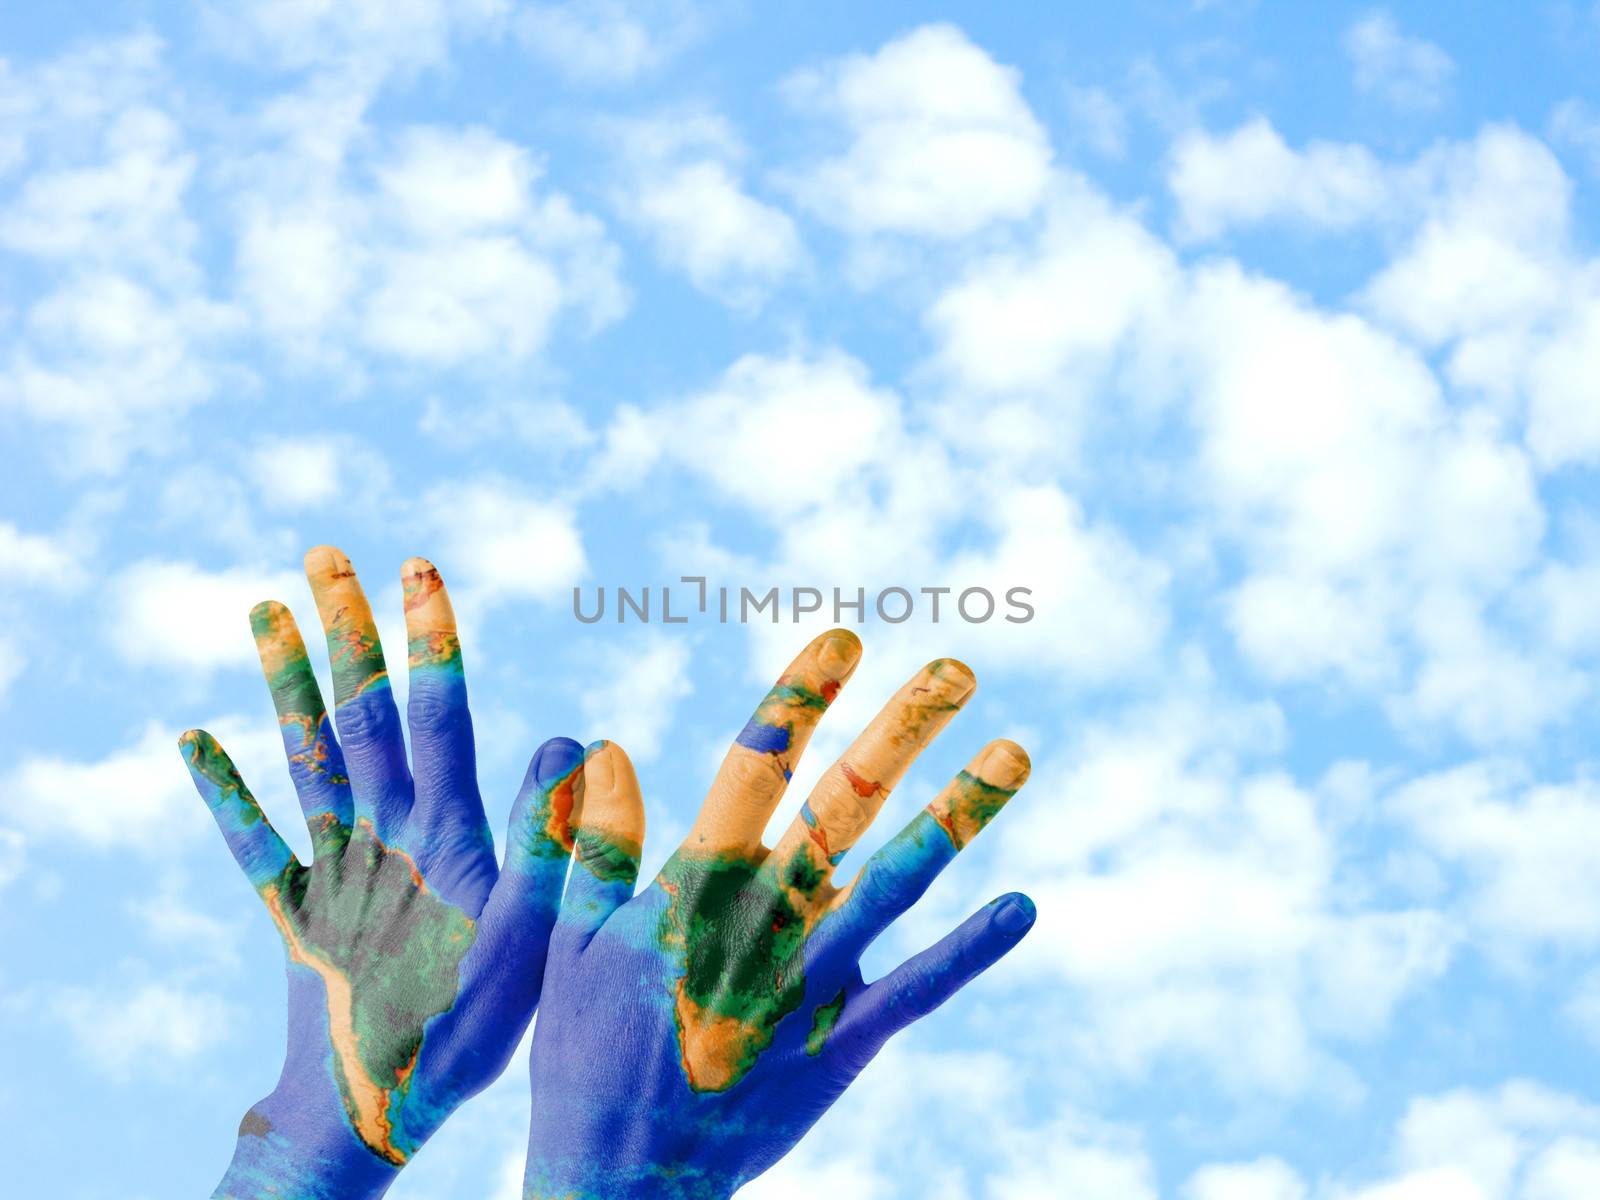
(413, 961)
(691, 1034)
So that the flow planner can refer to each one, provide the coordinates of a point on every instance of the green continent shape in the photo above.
(741, 943)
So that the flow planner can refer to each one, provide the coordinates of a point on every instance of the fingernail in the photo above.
(599, 769)
(554, 761)
(840, 652)
(955, 678)
(1016, 914)
(1005, 765)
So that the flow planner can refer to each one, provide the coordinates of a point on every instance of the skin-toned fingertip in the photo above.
(266, 611)
(1014, 914)
(1004, 764)
(838, 653)
(610, 813)
(323, 561)
(956, 677)
(416, 565)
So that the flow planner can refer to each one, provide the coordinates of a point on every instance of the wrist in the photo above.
(601, 1180)
(281, 1155)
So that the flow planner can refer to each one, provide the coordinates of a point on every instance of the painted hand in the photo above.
(414, 963)
(691, 1034)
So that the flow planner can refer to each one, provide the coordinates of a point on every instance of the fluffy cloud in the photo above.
(632, 691)
(1264, 1179)
(1408, 72)
(897, 1132)
(606, 41)
(36, 560)
(1524, 851)
(682, 186)
(366, 39)
(120, 334)
(139, 796)
(1197, 907)
(1251, 175)
(941, 142)
(506, 545)
(150, 1028)
(181, 616)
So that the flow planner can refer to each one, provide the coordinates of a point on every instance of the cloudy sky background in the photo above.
(1261, 341)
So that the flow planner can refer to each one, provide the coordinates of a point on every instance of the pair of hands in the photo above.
(690, 1033)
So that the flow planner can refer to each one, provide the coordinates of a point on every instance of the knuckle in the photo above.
(755, 774)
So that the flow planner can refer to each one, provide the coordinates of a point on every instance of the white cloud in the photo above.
(364, 39)
(1251, 175)
(504, 545)
(119, 336)
(1264, 1179)
(941, 141)
(606, 41)
(300, 472)
(140, 796)
(951, 1125)
(181, 616)
(457, 257)
(1199, 909)
(1575, 123)
(152, 1028)
(1048, 317)
(1524, 851)
(36, 560)
(682, 185)
(1407, 72)
(632, 691)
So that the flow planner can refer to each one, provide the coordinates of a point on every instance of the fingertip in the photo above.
(555, 760)
(416, 565)
(1004, 764)
(326, 563)
(189, 739)
(838, 652)
(957, 679)
(266, 612)
(1014, 913)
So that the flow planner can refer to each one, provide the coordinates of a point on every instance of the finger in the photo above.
(610, 824)
(514, 926)
(926, 980)
(262, 855)
(315, 762)
(364, 708)
(446, 800)
(758, 765)
(852, 790)
(895, 877)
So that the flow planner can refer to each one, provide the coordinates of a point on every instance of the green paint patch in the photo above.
(608, 858)
(969, 806)
(740, 941)
(822, 1023)
(370, 918)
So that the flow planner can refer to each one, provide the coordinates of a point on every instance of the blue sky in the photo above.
(1261, 341)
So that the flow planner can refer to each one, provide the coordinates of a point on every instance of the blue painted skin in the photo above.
(414, 962)
(634, 1094)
